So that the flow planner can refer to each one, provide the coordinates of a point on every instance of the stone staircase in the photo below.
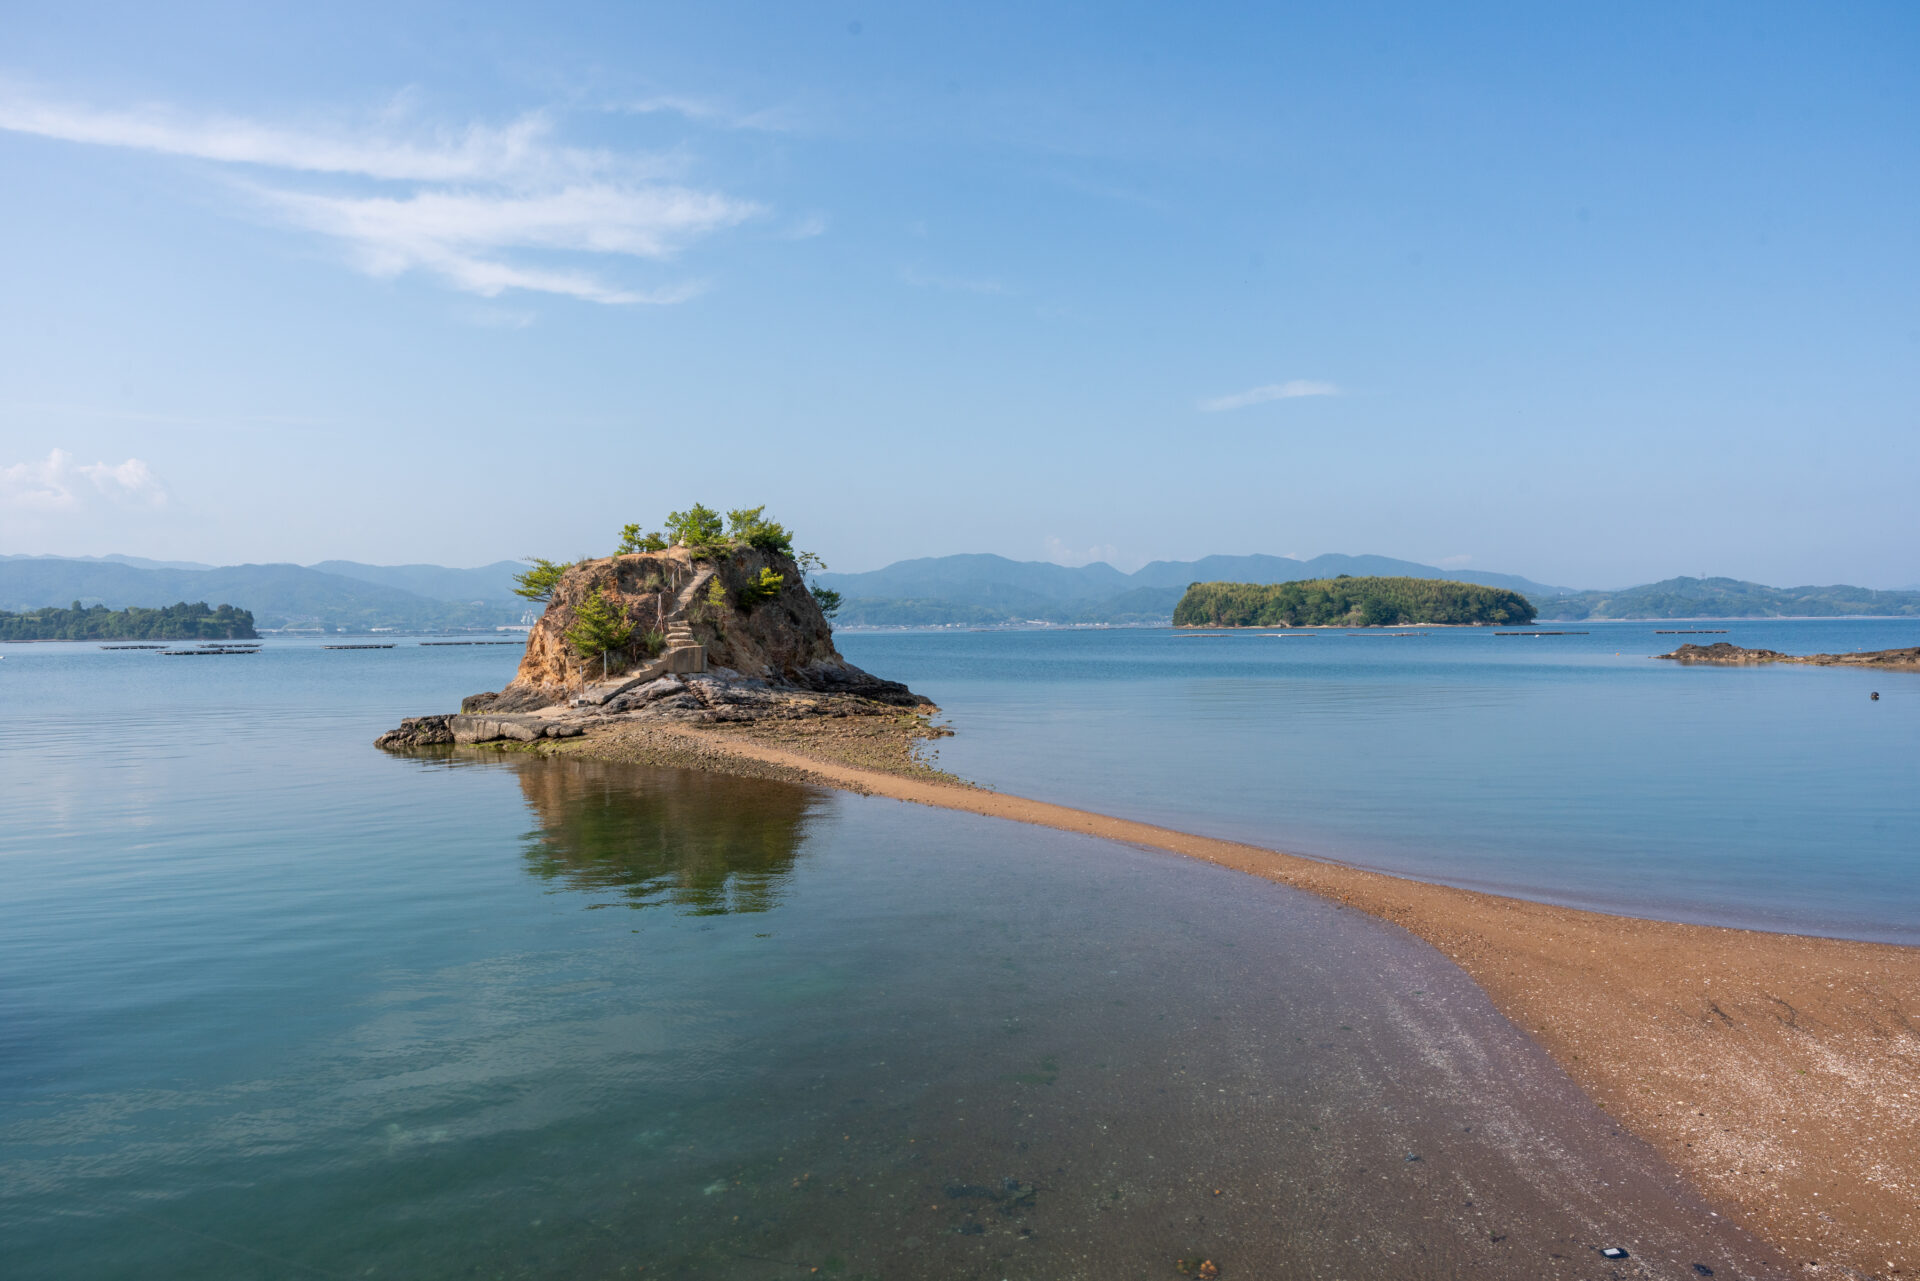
(683, 653)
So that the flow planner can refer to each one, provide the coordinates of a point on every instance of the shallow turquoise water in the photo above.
(1574, 769)
(280, 1005)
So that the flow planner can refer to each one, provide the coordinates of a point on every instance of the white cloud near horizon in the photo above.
(59, 484)
(480, 198)
(1290, 390)
(1061, 553)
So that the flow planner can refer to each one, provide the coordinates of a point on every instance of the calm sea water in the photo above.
(276, 1004)
(1573, 769)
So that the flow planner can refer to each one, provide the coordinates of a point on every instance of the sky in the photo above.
(1595, 294)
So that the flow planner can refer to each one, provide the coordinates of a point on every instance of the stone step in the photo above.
(686, 658)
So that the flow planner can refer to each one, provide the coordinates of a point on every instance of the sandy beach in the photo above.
(1779, 1073)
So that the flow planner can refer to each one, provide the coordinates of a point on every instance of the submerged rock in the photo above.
(1726, 654)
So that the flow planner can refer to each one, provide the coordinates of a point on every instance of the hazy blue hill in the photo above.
(981, 579)
(138, 562)
(980, 589)
(277, 595)
(881, 612)
(1139, 605)
(1279, 569)
(1727, 598)
(492, 583)
(34, 582)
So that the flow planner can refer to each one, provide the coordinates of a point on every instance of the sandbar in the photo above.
(1780, 1073)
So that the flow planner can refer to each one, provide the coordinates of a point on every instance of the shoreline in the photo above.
(1779, 1073)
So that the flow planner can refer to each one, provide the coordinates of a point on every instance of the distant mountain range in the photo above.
(333, 595)
(982, 590)
(976, 590)
(1727, 598)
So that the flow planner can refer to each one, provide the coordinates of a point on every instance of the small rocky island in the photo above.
(704, 628)
(1728, 655)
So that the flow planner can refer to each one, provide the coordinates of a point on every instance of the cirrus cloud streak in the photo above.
(486, 208)
(1289, 390)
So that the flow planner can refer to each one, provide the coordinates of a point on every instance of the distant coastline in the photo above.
(177, 622)
(944, 591)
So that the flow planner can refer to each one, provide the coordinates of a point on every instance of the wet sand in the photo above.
(1779, 1073)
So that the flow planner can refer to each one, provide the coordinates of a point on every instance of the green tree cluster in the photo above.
(698, 528)
(763, 588)
(702, 530)
(632, 540)
(750, 525)
(538, 583)
(600, 627)
(1349, 602)
(169, 623)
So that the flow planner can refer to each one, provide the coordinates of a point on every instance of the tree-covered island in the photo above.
(1350, 602)
(707, 621)
(168, 623)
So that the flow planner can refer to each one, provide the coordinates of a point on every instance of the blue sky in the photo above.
(1596, 295)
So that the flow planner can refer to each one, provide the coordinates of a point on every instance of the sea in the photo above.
(274, 1003)
(1563, 763)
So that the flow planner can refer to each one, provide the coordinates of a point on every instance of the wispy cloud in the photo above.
(460, 235)
(955, 284)
(1061, 552)
(478, 200)
(58, 484)
(707, 112)
(521, 151)
(1273, 391)
(807, 228)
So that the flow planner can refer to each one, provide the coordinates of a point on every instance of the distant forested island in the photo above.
(169, 623)
(1349, 602)
(1728, 598)
(331, 596)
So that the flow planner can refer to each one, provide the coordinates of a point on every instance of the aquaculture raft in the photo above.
(356, 647)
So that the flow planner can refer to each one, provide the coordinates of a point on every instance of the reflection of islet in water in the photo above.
(703, 844)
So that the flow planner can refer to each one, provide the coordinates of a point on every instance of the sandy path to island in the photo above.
(1780, 1072)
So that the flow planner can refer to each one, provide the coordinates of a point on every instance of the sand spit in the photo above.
(1781, 1073)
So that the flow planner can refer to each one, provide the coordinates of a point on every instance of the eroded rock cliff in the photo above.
(711, 603)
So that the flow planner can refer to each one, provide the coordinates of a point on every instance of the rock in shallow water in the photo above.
(417, 731)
